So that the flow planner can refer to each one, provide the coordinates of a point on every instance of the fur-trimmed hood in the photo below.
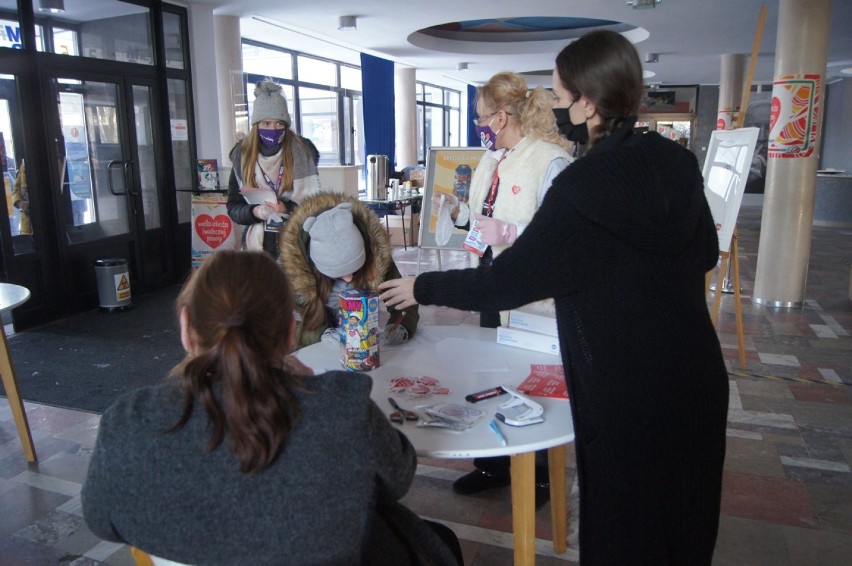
(294, 243)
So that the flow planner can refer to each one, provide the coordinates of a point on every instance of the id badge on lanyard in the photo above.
(273, 225)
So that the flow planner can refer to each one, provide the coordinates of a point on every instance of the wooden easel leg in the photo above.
(738, 307)
(717, 298)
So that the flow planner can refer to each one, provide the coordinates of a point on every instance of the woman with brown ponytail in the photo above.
(242, 456)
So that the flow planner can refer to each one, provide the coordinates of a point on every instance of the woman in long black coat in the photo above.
(622, 242)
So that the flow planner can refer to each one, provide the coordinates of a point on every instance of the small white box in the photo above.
(527, 319)
(528, 340)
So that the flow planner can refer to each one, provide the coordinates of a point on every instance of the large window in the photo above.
(438, 118)
(324, 98)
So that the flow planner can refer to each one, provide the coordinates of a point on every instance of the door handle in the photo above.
(133, 190)
(110, 166)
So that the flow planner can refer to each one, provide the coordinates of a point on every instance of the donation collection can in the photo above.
(359, 329)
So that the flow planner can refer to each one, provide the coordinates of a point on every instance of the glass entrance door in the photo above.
(107, 189)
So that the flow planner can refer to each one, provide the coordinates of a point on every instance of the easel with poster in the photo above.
(725, 174)
(448, 171)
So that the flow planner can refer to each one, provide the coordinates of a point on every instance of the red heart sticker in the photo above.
(213, 231)
(516, 189)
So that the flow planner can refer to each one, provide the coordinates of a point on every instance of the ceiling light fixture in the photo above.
(51, 6)
(347, 23)
(652, 57)
(642, 4)
(461, 67)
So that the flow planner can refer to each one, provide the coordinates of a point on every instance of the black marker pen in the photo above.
(487, 394)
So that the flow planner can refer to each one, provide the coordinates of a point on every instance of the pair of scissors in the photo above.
(401, 415)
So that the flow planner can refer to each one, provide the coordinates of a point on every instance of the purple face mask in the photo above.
(272, 136)
(487, 137)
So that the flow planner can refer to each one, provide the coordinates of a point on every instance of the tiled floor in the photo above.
(788, 488)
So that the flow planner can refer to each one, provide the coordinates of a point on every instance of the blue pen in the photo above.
(493, 426)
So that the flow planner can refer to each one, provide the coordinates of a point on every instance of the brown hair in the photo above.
(239, 308)
(532, 109)
(604, 67)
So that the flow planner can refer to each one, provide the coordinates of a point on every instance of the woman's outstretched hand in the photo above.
(398, 293)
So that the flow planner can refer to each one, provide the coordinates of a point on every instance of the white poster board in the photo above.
(725, 174)
(448, 170)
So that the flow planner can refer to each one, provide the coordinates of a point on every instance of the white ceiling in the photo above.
(689, 35)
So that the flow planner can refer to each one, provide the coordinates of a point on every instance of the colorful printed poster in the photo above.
(212, 228)
(208, 175)
(448, 171)
(793, 116)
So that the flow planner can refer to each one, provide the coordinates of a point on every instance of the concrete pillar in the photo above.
(205, 96)
(405, 105)
(795, 121)
(229, 81)
(731, 85)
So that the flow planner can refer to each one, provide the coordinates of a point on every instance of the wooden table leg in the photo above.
(523, 507)
(558, 498)
(10, 384)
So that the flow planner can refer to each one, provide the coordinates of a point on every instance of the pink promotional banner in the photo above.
(212, 228)
(793, 116)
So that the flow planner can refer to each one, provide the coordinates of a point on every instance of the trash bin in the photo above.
(113, 284)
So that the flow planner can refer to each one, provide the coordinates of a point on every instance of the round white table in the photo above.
(12, 296)
(466, 359)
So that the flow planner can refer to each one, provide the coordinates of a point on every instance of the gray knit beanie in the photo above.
(269, 103)
(336, 247)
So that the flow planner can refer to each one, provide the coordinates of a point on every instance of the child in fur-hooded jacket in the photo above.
(333, 243)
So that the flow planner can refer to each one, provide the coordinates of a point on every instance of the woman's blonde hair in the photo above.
(532, 109)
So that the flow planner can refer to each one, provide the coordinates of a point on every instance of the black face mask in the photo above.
(577, 133)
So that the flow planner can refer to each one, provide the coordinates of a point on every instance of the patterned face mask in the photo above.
(487, 136)
(271, 136)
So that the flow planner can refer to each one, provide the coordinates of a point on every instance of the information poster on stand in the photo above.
(448, 171)
(725, 174)
(212, 228)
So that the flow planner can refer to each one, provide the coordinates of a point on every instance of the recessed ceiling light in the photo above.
(846, 71)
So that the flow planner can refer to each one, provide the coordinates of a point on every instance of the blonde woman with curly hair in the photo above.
(525, 153)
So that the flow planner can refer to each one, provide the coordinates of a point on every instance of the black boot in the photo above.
(478, 480)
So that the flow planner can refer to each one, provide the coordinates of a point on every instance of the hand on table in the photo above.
(495, 232)
(398, 293)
